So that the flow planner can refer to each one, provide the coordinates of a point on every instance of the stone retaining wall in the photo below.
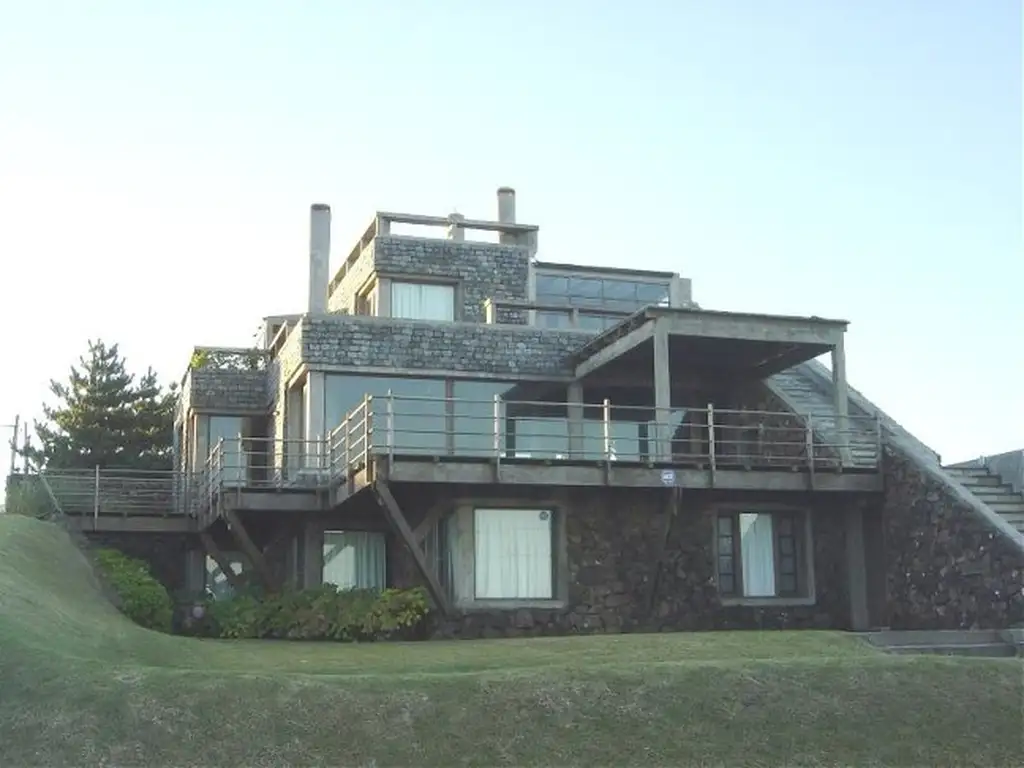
(947, 568)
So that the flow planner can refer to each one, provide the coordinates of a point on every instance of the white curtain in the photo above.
(229, 428)
(423, 301)
(512, 553)
(757, 545)
(355, 559)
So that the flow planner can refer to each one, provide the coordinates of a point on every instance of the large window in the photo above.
(615, 293)
(423, 301)
(473, 409)
(513, 554)
(355, 559)
(419, 408)
(763, 555)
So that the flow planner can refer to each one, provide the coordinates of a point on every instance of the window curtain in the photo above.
(512, 554)
(423, 301)
(757, 546)
(355, 559)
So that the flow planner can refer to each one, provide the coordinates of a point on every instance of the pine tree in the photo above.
(103, 418)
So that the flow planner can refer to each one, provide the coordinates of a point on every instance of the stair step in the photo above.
(1006, 507)
(969, 471)
(986, 491)
(988, 481)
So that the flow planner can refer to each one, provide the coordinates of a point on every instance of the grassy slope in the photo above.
(80, 685)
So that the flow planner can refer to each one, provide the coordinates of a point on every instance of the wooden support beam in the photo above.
(250, 550)
(222, 561)
(434, 514)
(401, 526)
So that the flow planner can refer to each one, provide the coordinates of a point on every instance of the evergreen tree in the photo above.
(103, 418)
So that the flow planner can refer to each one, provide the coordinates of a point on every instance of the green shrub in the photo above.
(141, 597)
(320, 613)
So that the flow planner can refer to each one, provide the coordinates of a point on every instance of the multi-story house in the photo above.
(551, 447)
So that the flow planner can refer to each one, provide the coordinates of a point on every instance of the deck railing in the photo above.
(523, 431)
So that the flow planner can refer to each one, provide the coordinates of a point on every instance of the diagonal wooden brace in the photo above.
(397, 520)
(221, 559)
(249, 549)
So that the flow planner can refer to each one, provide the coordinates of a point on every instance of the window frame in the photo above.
(459, 562)
(342, 531)
(569, 299)
(804, 555)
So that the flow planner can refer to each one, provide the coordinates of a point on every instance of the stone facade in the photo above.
(614, 555)
(227, 390)
(412, 345)
(947, 567)
(480, 270)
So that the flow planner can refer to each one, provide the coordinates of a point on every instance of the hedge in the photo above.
(141, 597)
(319, 613)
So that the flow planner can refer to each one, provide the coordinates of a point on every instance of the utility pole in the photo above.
(14, 440)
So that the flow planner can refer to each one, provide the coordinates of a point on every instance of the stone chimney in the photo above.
(319, 257)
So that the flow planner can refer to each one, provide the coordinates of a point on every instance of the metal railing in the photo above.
(100, 492)
(502, 430)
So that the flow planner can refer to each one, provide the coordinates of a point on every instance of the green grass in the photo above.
(80, 685)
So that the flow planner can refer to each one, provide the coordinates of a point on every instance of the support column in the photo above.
(662, 442)
(314, 416)
(856, 570)
(841, 399)
(574, 408)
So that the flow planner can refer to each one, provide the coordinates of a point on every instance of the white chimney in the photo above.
(319, 256)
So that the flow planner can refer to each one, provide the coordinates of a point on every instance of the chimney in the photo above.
(507, 213)
(319, 257)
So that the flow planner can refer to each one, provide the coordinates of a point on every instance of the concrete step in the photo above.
(969, 471)
(1006, 507)
(986, 650)
(1000, 496)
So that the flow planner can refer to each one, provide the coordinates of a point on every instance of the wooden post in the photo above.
(809, 436)
(712, 458)
(390, 424)
(96, 501)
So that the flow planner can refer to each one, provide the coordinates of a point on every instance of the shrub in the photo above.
(27, 496)
(319, 613)
(141, 597)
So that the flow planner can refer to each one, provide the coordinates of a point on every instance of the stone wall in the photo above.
(614, 549)
(411, 345)
(228, 390)
(280, 369)
(342, 296)
(947, 567)
(482, 270)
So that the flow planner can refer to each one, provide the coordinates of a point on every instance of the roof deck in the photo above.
(733, 343)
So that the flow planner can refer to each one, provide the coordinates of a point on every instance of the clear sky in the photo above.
(855, 159)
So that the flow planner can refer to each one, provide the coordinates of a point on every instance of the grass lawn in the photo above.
(80, 685)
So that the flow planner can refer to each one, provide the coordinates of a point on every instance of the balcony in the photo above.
(430, 440)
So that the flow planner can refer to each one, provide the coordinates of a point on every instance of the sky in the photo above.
(856, 160)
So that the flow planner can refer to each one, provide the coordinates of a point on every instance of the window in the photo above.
(513, 554)
(355, 559)
(420, 411)
(423, 301)
(614, 293)
(762, 555)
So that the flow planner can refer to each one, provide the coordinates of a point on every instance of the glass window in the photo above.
(355, 559)
(554, 319)
(552, 287)
(619, 294)
(651, 293)
(473, 407)
(513, 554)
(418, 405)
(423, 301)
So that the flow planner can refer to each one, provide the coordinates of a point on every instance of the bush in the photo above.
(27, 496)
(320, 613)
(141, 597)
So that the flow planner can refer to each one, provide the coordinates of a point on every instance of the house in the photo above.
(550, 447)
